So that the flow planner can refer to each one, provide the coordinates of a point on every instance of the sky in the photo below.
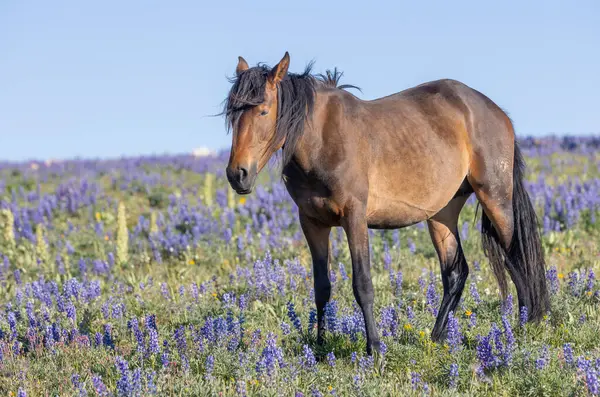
(112, 78)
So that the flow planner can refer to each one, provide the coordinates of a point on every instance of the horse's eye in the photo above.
(264, 113)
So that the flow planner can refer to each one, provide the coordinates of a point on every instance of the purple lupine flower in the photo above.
(107, 339)
(473, 320)
(432, 297)
(591, 381)
(387, 257)
(524, 316)
(308, 360)
(453, 375)
(398, 283)
(294, 317)
(71, 313)
(209, 366)
(165, 291)
(552, 277)
(124, 385)
(21, 392)
(510, 341)
(542, 360)
(411, 246)
(342, 271)
(410, 314)
(150, 382)
(591, 280)
(454, 335)
(474, 293)
(507, 306)
(568, 353)
(164, 357)
(99, 386)
(312, 319)
(415, 380)
(331, 359)
(270, 357)
(331, 316)
(182, 347)
(285, 328)
(75, 379)
(485, 353)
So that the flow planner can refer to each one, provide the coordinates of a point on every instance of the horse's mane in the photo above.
(295, 94)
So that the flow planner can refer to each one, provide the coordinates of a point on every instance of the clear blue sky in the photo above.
(106, 78)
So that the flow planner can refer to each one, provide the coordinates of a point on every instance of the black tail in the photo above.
(524, 259)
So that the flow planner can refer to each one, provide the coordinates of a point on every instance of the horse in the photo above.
(388, 163)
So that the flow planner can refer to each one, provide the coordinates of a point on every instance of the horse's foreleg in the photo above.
(355, 225)
(317, 236)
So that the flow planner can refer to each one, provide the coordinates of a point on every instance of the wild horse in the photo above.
(385, 164)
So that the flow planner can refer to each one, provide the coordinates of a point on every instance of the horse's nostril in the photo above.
(243, 173)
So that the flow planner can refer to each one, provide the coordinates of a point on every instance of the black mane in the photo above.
(295, 95)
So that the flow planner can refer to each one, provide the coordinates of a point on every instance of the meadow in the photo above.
(149, 276)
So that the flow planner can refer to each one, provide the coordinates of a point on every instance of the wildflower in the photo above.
(432, 297)
(294, 317)
(308, 359)
(99, 386)
(331, 359)
(524, 316)
(209, 366)
(331, 316)
(454, 335)
(453, 375)
(568, 353)
(271, 357)
(474, 293)
(285, 328)
(415, 380)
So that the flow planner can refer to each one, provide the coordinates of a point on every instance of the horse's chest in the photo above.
(315, 203)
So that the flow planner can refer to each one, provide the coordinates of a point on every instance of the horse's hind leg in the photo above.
(444, 235)
(509, 227)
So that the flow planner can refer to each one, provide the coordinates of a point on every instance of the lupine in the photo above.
(294, 317)
(331, 359)
(453, 375)
(568, 353)
(331, 316)
(524, 316)
(474, 293)
(308, 358)
(454, 335)
(432, 297)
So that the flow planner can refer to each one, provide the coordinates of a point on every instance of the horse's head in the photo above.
(251, 110)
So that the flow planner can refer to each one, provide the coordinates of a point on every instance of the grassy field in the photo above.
(147, 276)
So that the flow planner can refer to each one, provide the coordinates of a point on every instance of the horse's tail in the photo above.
(524, 258)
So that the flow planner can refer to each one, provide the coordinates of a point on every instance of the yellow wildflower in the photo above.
(242, 200)
(561, 276)
(106, 237)
(191, 262)
(468, 313)
(407, 326)
(330, 388)
(97, 216)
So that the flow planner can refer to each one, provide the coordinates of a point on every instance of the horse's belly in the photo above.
(395, 215)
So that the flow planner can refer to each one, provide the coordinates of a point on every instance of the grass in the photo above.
(217, 281)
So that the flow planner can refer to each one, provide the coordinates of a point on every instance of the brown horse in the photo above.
(389, 163)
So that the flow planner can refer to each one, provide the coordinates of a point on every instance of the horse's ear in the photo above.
(241, 66)
(280, 70)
